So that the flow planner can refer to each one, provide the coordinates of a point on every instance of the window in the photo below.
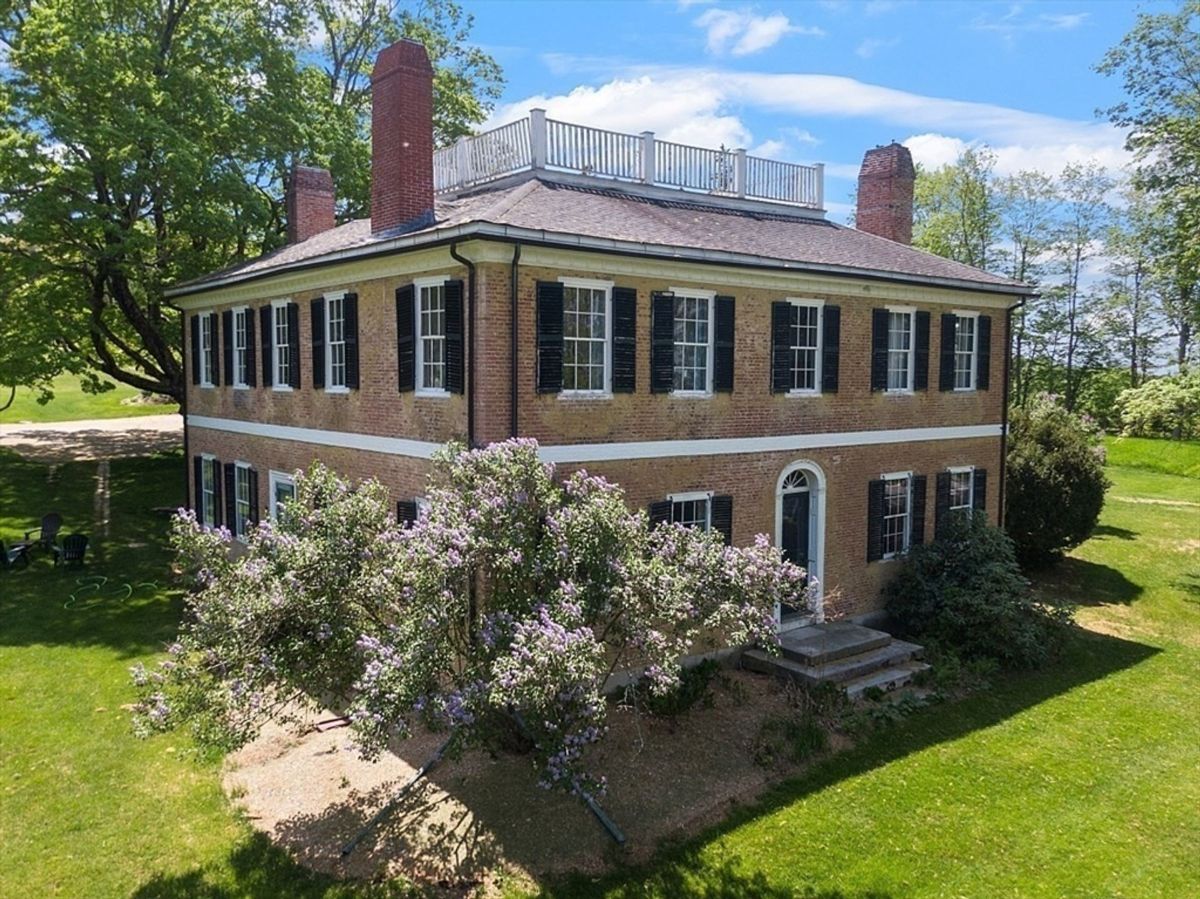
(585, 336)
(208, 356)
(964, 352)
(900, 350)
(282, 345)
(805, 348)
(692, 510)
(335, 338)
(962, 488)
(241, 499)
(283, 490)
(241, 347)
(208, 491)
(897, 502)
(693, 343)
(431, 337)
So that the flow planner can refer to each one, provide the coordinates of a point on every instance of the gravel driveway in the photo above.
(109, 438)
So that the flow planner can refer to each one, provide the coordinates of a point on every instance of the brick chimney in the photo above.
(309, 203)
(885, 193)
(401, 138)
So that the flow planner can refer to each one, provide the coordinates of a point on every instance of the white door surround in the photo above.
(800, 476)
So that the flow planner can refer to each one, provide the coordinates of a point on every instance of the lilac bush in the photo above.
(501, 613)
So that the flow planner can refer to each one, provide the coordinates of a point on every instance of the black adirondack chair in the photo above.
(15, 556)
(72, 550)
(47, 533)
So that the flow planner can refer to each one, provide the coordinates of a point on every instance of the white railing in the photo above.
(541, 143)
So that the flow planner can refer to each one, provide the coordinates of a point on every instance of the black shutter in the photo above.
(455, 357)
(946, 357)
(662, 343)
(549, 336)
(317, 313)
(252, 477)
(921, 352)
(781, 346)
(293, 326)
(831, 338)
(406, 349)
(406, 511)
(660, 512)
(231, 497)
(979, 490)
(251, 357)
(723, 346)
(874, 519)
(350, 334)
(198, 487)
(266, 318)
(720, 516)
(213, 320)
(624, 335)
(227, 334)
(879, 352)
(916, 527)
(983, 352)
(195, 349)
(218, 510)
(941, 502)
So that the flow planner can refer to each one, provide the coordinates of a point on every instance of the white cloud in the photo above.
(1014, 21)
(742, 32)
(771, 149)
(872, 45)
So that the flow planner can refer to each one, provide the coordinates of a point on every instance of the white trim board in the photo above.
(604, 452)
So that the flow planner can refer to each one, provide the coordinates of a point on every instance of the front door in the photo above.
(795, 538)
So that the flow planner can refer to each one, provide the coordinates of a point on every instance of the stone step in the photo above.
(819, 644)
(886, 679)
(841, 670)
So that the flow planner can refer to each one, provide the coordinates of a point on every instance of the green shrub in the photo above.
(793, 738)
(1162, 407)
(1056, 483)
(694, 688)
(965, 591)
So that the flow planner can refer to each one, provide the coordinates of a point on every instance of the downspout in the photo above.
(1008, 316)
(470, 347)
(187, 458)
(513, 342)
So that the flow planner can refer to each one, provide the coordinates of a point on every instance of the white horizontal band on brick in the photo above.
(603, 452)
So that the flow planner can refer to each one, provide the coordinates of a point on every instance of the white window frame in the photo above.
(209, 492)
(959, 315)
(279, 307)
(276, 478)
(244, 313)
(710, 297)
(420, 284)
(819, 305)
(907, 539)
(208, 360)
(330, 386)
(241, 524)
(607, 286)
(693, 496)
(969, 471)
(911, 312)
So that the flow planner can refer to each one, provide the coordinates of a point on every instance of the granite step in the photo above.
(886, 679)
(840, 670)
(820, 644)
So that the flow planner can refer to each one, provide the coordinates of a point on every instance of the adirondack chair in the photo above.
(47, 533)
(15, 556)
(71, 551)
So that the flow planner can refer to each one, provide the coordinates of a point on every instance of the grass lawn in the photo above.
(70, 403)
(1180, 457)
(1079, 780)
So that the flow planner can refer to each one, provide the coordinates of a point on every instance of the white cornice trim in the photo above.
(605, 452)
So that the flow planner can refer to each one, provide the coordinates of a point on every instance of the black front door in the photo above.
(795, 536)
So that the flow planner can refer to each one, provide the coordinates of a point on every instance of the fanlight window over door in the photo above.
(795, 482)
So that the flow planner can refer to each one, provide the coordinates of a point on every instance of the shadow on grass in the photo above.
(1084, 583)
(1107, 530)
(1189, 583)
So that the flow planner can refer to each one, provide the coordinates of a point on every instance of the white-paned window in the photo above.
(900, 350)
(335, 342)
(281, 345)
(692, 510)
(241, 499)
(208, 354)
(241, 347)
(208, 491)
(965, 345)
(431, 337)
(693, 343)
(806, 347)
(962, 488)
(586, 331)
(897, 513)
(283, 491)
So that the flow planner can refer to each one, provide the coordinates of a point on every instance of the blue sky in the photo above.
(822, 81)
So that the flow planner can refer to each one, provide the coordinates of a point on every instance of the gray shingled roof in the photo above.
(567, 212)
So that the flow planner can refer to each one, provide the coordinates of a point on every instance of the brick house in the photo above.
(684, 321)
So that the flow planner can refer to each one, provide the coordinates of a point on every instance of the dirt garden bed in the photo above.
(481, 815)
